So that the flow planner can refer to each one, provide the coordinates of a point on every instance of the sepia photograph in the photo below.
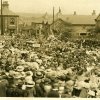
(50, 48)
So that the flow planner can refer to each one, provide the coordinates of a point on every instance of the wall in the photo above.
(77, 29)
(7, 25)
(98, 26)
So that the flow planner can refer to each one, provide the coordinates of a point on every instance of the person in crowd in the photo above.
(3, 87)
(54, 93)
(58, 69)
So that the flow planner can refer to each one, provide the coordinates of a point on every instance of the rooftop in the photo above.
(5, 9)
(73, 19)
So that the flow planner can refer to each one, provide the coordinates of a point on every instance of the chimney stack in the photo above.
(59, 10)
(74, 12)
(93, 13)
(5, 5)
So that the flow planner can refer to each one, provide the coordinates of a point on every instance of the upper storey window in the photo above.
(12, 21)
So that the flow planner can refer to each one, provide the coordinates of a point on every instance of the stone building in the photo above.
(10, 20)
(80, 24)
(97, 20)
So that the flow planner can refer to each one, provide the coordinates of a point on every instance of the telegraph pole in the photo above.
(53, 18)
(1, 19)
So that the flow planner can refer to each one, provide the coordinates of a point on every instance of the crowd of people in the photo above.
(55, 69)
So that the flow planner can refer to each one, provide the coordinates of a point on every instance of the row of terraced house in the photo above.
(80, 25)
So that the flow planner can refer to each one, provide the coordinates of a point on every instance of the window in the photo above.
(12, 21)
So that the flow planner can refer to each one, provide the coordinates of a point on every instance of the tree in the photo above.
(66, 34)
(91, 32)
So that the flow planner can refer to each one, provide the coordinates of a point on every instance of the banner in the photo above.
(36, 45)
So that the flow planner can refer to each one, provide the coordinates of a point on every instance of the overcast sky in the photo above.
(67, 6)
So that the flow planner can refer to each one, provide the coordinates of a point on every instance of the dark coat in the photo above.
(3, 88)
(16, 92)
(83, 93)
(76, 92)
(10, 92)
(31, 92)
(53, 93)
(19, 92)
(39, 91)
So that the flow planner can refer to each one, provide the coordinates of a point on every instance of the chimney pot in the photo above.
(5, 4)
(93, 13)
(74, 12)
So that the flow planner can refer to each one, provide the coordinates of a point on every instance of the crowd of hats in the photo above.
(71, 68)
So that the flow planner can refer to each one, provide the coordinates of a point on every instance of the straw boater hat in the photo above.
(25, 52)
(39, 74)
(11, 73)
(50, 73)
(46, 81)
(59, 68)
(48, 70)
(17, 75)
(29, 73)
(19, 68)
(30, 84)
(42, 68)
(33, 65)
(39, 61)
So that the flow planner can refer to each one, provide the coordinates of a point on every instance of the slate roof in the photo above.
(73, 19)
(42, 18)
(81, 19)
(8, 13)
(98, 18)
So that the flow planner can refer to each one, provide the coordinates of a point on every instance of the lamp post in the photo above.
(1, 19)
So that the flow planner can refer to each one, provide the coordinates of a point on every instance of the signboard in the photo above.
(30, 42)
(36, 45)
